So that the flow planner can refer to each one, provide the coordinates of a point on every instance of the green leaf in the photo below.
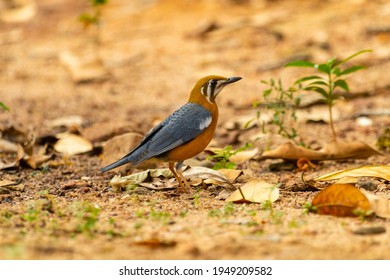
(307, 78)
(321, 83)
(351, 56)
(351, 70)
(3, 106)
(331, 62)
(325, 68)
(342, 84)
(300, 63)
(320, 90)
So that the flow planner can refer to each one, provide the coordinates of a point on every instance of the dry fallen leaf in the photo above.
(118, 146)
(72, 144)
(379, 171)
(255, 191)
(291, 151)
(348, 149)
(206, 174)
(380, 205)
(15, 161)
(8, 146)
(341, 200)
(119, 183)
(244, 156)
(334, 150)
(11, 185)
(231, 174)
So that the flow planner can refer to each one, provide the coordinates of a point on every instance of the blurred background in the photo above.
(138, 60)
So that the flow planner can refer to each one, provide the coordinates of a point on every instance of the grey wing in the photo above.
(180, 127)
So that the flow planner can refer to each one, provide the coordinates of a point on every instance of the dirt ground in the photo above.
(154, 52)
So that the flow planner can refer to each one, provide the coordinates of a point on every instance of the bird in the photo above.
(183, 134)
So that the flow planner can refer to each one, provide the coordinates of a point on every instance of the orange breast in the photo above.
(198, 144)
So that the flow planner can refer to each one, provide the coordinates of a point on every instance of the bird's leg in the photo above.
(183, 183)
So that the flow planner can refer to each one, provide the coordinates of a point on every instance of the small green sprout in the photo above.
(223, 157)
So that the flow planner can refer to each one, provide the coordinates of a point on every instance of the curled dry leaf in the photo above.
(380, 205)
(291, 151)
(244, 156)
(342, 200)
(71, 144)
(335, 150)
(206, 174)
(348, 149)
(11, 185)
(231, 174)
(255, 191)
(379, 171)
(8, 146)
(15, 161)
(119, 183)
(194, 174)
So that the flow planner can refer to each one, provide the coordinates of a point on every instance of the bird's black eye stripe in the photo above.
(212, 85)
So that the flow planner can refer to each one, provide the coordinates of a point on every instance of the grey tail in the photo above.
(116, 164)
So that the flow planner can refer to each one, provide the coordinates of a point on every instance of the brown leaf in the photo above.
(8, 146)
(72, 144)
(342, 201)
(335, 150)
(117, 147)
(379, 171)
(348, 149)
(244, 156)
(255, 191)
(291, 151)
(206, 174)
(380, 205)
(11, 185)
(16, 161)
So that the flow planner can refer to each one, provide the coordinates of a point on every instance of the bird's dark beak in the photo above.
(232, 80)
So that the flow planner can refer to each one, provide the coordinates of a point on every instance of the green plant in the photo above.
(282, 103)
(383, 141)
(87, 215)
(331, 76)
(3, 106)
(228, 210)
(94, 17)
(223, 156)
(275, 216)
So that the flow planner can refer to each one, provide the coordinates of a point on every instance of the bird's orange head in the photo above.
(207, 88)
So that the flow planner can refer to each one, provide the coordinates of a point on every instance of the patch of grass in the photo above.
(87, 216)
(227, 211)
(275, 216)
(223, 157)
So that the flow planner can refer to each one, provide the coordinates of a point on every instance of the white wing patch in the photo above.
(205, 123)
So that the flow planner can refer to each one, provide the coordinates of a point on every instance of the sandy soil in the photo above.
(154, 52)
